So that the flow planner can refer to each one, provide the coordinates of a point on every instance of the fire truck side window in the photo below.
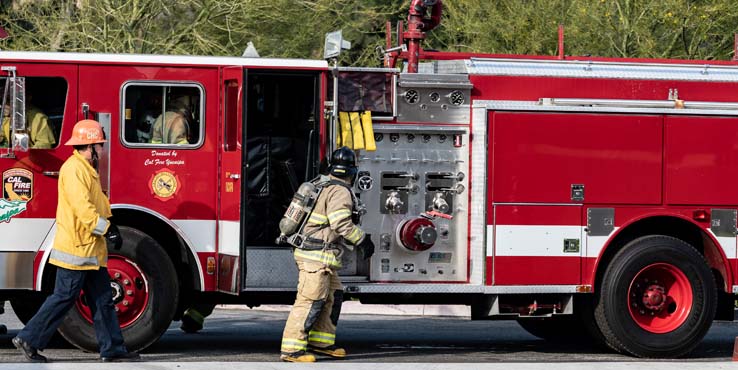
(162, 114)
(45, 98)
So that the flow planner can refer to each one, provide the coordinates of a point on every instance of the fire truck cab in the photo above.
(580, 196)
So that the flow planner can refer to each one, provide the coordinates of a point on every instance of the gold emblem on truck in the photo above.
(164, 184)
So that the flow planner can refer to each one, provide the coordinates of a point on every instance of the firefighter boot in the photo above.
(332, 350)
(299, 356)
(192, 321)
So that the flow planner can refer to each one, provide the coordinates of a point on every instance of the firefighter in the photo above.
(173, 127)
(80, 253)
(311, 324)
(40, 134)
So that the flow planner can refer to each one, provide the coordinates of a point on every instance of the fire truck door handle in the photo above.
(51, 173)
(234, 176)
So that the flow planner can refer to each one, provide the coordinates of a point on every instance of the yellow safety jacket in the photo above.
(81, 218)
(331, 222)
(40, 133)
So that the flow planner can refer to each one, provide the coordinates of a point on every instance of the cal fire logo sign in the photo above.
(164, 184)
(17, 191)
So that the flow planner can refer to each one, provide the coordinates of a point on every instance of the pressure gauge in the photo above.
(412, 96)
(456, 97)
(434, 97)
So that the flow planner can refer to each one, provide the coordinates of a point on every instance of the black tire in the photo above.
(681, 323)
(157, 313)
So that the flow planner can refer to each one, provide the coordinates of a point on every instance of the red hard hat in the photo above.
(86, 132)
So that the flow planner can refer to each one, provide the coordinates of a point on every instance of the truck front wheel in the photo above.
(657, 299)
(145, 292)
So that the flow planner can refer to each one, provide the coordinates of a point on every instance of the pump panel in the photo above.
(415, 190)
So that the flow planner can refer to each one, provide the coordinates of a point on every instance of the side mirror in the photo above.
(21, 142)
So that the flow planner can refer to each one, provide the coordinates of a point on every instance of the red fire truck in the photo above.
(578, 195)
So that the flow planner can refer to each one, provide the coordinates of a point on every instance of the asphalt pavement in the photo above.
(249, 339)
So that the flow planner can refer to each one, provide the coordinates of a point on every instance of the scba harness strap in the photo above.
(304, 241)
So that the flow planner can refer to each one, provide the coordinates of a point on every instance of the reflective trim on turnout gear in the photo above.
(293, 345)
(318, 219)
(71, 259)
(321, 337)
(338, 215)
(355, 236)
(323, 256)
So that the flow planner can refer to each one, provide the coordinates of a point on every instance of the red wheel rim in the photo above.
(130, 291)
(660, 298)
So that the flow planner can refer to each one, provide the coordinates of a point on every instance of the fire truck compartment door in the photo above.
(701, 157)
(549, 157)
(537, 245)
(231, 257)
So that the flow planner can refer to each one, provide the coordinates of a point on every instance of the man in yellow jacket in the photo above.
(40, 134)
(314, 316)
(80, 253)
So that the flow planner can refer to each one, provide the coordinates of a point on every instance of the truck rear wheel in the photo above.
(657, 299)
(145, 292)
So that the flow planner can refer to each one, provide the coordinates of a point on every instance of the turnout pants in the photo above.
(314, 315)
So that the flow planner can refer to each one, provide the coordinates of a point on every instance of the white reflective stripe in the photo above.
(200, 233)
(229, 234)
(535, 240)
(72, 259)
(595, 244)
(339, 215)
(727, 243)
(102, 224)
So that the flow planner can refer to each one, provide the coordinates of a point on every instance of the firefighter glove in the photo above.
(366, 247)
(113, 237)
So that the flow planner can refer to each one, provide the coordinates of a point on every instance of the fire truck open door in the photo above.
(230, 258)
(282, 125)
(29, 171)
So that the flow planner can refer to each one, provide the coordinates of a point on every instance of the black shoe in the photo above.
(3, 329)
(123, 357)
(28, 351)
(189, 324)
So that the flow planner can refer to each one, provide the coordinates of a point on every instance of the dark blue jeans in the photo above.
(69, 283)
